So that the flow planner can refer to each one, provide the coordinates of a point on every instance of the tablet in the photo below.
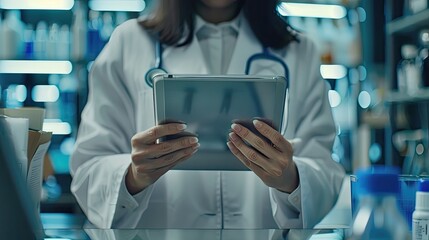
(210, 104)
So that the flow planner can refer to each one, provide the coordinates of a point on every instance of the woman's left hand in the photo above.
(272, 163)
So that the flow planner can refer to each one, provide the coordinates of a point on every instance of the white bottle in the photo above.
(120, 18)
(11, 33)
(63, 46)
(41, 40)
(51, 44)
(421, 213)
(409, 79)
(108, 27)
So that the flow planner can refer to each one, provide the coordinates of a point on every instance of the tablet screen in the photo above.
(209, 105)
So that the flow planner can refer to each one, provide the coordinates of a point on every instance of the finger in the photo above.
(254, 167)
(144, 159)
(234, 150)
(163, 148)
(151, 135)
(175, 156)
(273, 135)
(253, 156)
(257, 142)
(157, 173)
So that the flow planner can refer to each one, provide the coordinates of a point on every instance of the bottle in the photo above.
(40, 41)
(120, 18)
(378, 216)
(79, 30)
(29, 42)
(424, 57)
(94, 38)
(421, 212)
(419, 163)
(12, 37)
(409, 80)
(107, 28)
(63, 46)
(52, 43)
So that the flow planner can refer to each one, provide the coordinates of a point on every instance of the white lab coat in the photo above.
(120, 104)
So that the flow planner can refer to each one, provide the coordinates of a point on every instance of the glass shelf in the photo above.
(409, 24)
(400, 97)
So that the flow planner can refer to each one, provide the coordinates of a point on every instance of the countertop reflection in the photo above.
(191, 234)
(332, 227)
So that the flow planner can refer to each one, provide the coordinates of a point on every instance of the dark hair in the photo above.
(174, 18)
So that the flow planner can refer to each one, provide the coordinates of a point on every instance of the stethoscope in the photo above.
(264, 55)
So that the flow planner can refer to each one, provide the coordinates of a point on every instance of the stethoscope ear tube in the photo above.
(152, 74)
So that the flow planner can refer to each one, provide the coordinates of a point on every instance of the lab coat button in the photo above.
(123, 206)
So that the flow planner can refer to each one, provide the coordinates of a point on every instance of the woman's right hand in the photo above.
(150, 160)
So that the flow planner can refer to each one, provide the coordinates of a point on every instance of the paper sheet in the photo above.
(34, 178)
(19, 131)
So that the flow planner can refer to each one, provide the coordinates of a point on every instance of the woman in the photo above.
(122, 178)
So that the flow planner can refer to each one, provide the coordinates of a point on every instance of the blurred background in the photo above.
(374, 55)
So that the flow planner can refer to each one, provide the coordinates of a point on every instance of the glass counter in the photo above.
(191, 234)
(70, 226)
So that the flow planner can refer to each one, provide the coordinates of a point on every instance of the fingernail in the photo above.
(232, 136)
(193, 140)
(236, 127)
(295, 141)
(181, 126)
(257, 123)
(196, 146)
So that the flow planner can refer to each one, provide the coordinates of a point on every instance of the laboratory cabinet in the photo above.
(406, 135)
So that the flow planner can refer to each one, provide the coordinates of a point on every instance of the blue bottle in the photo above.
(378, 216)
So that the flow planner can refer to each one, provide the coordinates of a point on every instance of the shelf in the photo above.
(35, 67)
(379, 120)
(399, 97)
(409, 24)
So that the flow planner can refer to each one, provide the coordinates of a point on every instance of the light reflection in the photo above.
(45, 93)
(57, 128)
(364, 99)
(35, 67)
(334, 98)
(118, 6)
(37, 5)
(312, 10)
(333, 71)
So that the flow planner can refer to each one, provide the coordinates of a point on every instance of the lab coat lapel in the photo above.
(184, 60)
(247, 45)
